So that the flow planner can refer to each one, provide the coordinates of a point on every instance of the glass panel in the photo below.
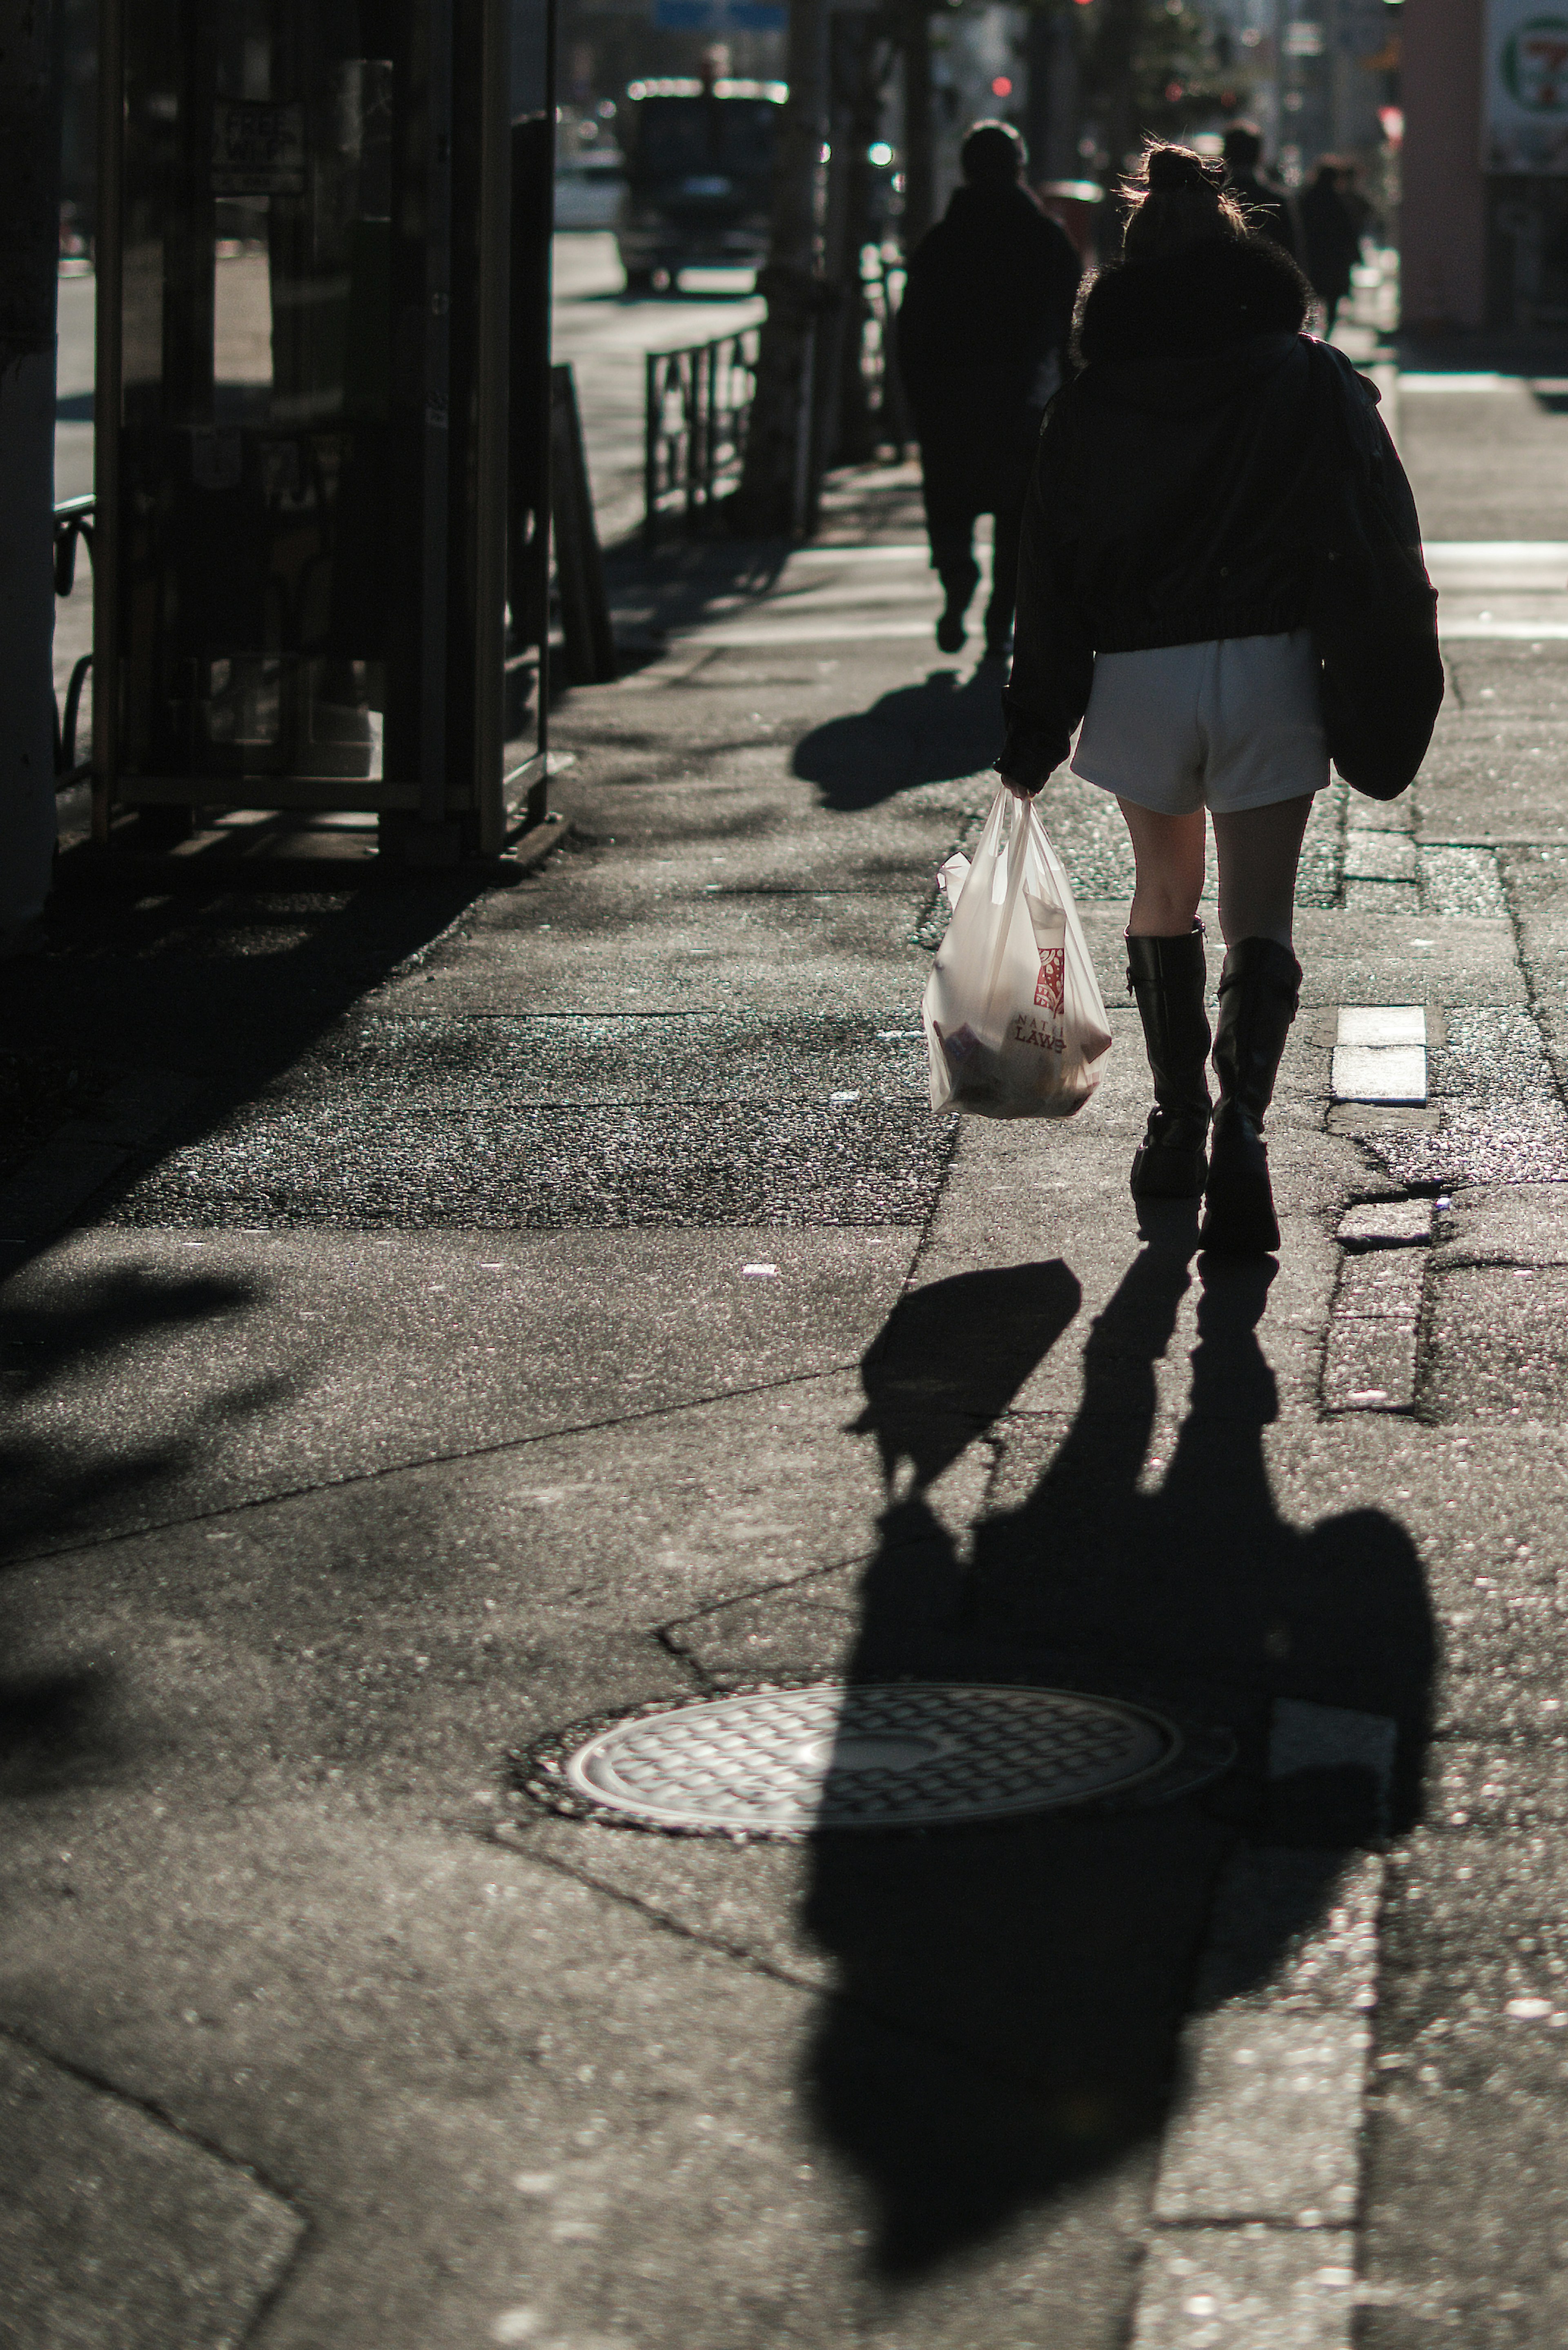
(267, 580)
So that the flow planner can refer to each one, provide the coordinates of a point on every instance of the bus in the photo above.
(699, 172)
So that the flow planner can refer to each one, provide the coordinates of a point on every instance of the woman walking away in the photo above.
(1164, 584)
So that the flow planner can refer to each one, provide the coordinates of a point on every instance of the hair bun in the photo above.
(1176, 171)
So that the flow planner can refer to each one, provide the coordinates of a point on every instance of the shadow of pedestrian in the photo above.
(1009, 1997)
(929, 734)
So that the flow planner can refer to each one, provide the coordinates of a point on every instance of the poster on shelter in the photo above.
(1526, 83)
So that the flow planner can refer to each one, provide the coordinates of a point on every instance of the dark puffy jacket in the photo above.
(1173, 498)
(989, 304)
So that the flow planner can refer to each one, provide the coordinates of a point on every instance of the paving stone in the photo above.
(1247, 2289)
(1370, 1365)
(1380, 1073)
(1381, 855)
(1382, 1023)
(1385, 1224)
(1266, 2122)
(1381, 899)
(1463, 881)
(1296, 1932)
(1378, 1282)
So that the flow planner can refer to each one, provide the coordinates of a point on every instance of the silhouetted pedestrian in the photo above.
(1168, 597)
(1262, 199)
(984, 323)
(1332, 238)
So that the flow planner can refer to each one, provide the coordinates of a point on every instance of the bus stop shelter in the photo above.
(301, 414)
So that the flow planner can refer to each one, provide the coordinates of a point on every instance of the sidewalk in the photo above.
(513, 1304)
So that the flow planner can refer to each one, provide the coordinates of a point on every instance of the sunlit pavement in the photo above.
(513, 1304)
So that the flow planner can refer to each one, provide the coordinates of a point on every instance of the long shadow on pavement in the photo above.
(929, 733)
(1010, 1997)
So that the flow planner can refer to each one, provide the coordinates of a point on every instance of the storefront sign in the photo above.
(258, 149)
(1526, 87)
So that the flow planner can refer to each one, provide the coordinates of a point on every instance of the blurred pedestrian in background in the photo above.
(985, 321)
(1331, 235)
(1262, 199)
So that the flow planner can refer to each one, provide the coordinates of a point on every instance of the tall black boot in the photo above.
(1166, 975)
(1259, 988)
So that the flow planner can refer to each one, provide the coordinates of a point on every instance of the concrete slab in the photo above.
(1415, 958)
(581, 2107)
(156, 1375)
(116, 2230)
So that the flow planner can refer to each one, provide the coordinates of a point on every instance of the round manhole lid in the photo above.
(862, 1755)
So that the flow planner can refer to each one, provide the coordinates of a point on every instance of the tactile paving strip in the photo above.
(783, 1762)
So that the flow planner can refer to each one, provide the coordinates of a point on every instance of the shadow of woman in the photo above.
(1011, 1996)
(928, 733)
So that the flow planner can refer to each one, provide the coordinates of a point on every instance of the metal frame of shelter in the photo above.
(300, 573)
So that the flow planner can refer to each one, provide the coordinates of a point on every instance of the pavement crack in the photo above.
(153, 2111)
(373, 1477)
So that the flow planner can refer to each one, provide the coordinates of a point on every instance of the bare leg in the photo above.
(1168, 852)
(1259, 850)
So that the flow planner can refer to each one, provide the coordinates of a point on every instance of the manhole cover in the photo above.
(899, 1754)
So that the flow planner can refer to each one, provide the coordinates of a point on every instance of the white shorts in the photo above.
(1231, 724)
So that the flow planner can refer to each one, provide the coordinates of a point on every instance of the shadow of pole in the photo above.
(1010, 1997)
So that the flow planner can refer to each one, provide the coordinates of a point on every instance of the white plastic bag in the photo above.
(1015, 1024)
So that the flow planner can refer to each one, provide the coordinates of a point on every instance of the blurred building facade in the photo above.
(1485, 226)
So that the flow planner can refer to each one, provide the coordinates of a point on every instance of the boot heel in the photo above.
(1164, 1170)
(1239, 1218)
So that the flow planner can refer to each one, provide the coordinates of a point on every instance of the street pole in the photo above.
(539, 791)
(29, 279)
(777, 487)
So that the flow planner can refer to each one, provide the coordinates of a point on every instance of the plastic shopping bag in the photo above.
(1015, 1024)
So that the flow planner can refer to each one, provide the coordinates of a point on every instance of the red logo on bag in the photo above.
(1050, 988)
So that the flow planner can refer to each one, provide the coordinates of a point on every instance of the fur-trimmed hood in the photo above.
(1192, 304)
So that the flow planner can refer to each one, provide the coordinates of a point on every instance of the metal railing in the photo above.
(698, 402)
(697, 405)
(74, 521)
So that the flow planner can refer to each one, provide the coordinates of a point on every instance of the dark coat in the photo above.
(1264, 204)
(1174, 497)
(1333, 240)
(988, 306)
